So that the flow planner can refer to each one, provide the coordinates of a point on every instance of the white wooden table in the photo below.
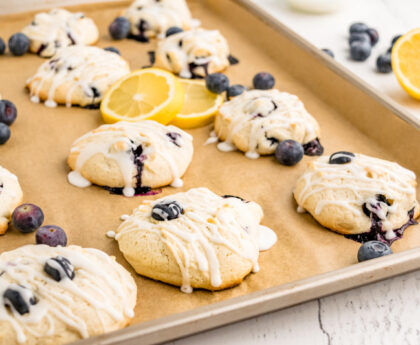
(384, 313)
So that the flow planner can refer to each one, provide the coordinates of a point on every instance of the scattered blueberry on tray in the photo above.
(113, 50)
(119, 28)
(51, 235)
(263, 81)
(373, 249)
(4, 133)
(27, 218)
(2, 46)
(289, 152)
(217, 82)
(19, 44)
(235, 90)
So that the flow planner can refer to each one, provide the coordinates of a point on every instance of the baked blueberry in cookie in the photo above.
(10, 197)
(362, 197)
(131, 158)
(58, 295)
(195, 239)
(256, 121)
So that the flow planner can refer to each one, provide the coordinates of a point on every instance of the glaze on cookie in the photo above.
(364, 197)
(195, 239)
(76, 75)
(10, 197)
(57, 295)
(131, 157)
(59, 28)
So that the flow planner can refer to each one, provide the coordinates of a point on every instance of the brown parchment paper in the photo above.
(41, 138)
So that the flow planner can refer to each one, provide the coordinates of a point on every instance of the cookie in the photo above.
(194, 53)
(257, 120)
(10, 197)
(131, 157)
(195, 239)
(151, 18)
(76, 75)
(57, 295)
(59, 28)
(357, 195)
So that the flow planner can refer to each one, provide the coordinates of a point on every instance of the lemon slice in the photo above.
(406, 62)
(200, 105)
(146, 94)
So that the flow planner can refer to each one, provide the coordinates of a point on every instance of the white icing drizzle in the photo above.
(208, 221)
(103, 290)
(261, 114)
(117, 141)
(78, 69)
(111, 234)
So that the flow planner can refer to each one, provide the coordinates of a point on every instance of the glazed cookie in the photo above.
(151, 18)
(131, 157)
(361, 196)
(257, 120)
(59, 28)
(195, 239)
(10, 197)
(78, 75)
(57, 295)
(194, 53)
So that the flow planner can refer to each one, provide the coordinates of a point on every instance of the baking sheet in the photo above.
(349, 120)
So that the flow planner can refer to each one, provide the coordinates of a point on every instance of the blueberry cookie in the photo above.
(10, 197)
(131, 157)
(76, 75)
(151, 18)
(257, 120)
(195, 239)
(57, 295)
(193, 54)
(364, 197)
(59, 28)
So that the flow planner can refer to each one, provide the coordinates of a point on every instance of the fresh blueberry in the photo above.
(173, 30)
(373, 249)
(289, 152)
(235, 90)
(263, 81)
(358, 27)
(119, 28)
(360, 50)
(19, 298)
(373, 36)
(27, 218)
(328, 52)
(113, 50)
(18, 44)
(59, 268)
(167, 210)
(226, 196)
(4, 133)
(341, 157)
(2, 46)
(8, 112)
(383, 63)
(395, 39)
(51, 235)
(217, 82)
(359, 36)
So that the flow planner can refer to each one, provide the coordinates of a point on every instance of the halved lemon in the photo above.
(145, 94)
(200, 105)
(406, 62)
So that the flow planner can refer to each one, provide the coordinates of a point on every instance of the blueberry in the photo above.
(383, 63)
(173, 30)
(119, 28)
(227, 196)
(359, 36)
(27, 218)
(19, 298)
(59, 268)
(341, 157)
(360, 50)
(235, 90)
(8, 112)
(289, 152)
(217, 82)
(358, 27)
(373, 36)
(373, 249)
(395, 39)
(18, 44)
(113, 50)
(328, 52)
(263, 81)
(51, 235)
(167, 210)
(2, 46)
(4, 133)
